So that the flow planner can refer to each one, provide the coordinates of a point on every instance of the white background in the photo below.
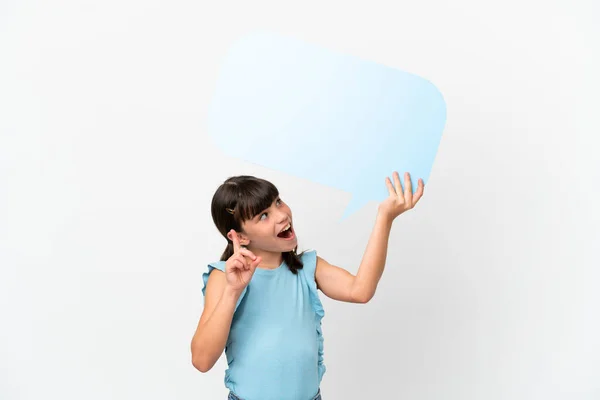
(107, 172)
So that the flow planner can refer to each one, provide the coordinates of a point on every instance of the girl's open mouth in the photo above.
(287, 234)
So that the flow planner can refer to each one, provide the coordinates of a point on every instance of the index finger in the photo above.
(236, 241)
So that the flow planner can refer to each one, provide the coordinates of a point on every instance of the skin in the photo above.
(263, 250)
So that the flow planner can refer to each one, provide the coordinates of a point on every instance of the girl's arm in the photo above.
(339, 284)
(213, 328)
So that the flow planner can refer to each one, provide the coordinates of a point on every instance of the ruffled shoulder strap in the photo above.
(309, 259)
(220, 265)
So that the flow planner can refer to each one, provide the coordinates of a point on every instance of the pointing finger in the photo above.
(235, 240)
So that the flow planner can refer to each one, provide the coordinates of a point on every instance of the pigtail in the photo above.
(293, 261)
(228, 252)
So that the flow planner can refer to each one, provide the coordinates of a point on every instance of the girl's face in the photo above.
(264, 231)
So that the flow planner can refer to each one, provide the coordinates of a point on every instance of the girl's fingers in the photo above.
(244, 260)
(245, 264)
(255, 263)
(419, 192)
(398, 185)
(237, 264)
(248, 253)
(390, 187)
(408, 188)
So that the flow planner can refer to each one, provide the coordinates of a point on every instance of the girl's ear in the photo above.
(243, 240)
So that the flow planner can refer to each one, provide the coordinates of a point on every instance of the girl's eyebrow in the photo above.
(260, 213)
(265, 210)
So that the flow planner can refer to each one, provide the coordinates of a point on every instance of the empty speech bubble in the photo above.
(328, 117)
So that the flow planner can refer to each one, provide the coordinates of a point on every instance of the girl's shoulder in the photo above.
(220, 265)
(309, 258)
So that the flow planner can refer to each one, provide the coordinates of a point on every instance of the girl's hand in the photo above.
(398, 202)
(240, 267)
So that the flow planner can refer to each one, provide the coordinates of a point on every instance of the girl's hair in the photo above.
(245, 196)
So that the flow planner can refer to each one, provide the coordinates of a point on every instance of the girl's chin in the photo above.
(290, 245)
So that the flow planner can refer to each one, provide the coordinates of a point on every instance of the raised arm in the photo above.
(223, 289)
(339, 284)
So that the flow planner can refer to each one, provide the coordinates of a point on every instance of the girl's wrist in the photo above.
(385, 217)
(232, 292)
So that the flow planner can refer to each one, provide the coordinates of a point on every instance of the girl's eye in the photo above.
(279, 201)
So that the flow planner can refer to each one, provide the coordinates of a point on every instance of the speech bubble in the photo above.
(325, 116)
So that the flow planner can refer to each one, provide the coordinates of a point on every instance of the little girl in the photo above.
(261, 301)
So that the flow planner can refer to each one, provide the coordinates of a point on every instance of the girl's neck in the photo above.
(270, 260)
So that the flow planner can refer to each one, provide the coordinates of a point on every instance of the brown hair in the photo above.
(245, 196)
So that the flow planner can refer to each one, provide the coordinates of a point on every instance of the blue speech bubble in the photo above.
(331, 118)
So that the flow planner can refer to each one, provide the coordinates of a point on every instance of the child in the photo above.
(261, 301)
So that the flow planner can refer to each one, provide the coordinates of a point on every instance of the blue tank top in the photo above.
(275, 346)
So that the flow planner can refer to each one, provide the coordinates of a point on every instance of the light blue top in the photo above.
(275, 346)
